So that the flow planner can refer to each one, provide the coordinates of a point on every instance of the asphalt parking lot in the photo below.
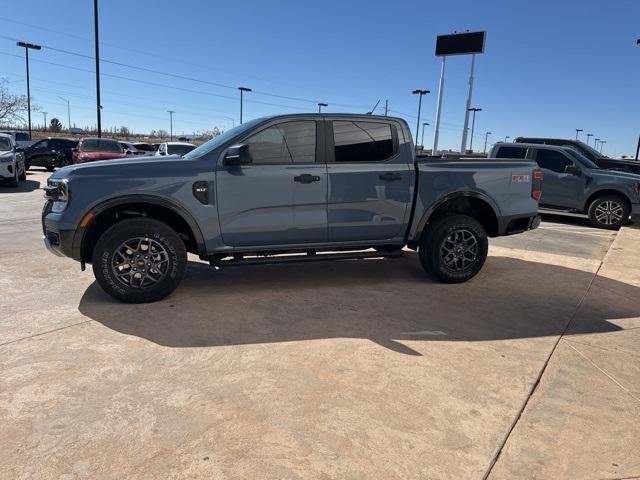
(350, 370)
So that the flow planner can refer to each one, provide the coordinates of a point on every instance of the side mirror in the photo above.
(573, 170)
(237, 155)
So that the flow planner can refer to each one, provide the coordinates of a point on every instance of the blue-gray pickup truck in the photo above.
(290, 188)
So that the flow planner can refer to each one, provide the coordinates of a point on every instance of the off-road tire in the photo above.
(23, 175)
(106, 255)
(437, 241)
(609, 212)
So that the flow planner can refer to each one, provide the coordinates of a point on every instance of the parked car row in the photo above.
(59, 152)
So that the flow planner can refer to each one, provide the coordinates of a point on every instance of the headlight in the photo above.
(58, 192)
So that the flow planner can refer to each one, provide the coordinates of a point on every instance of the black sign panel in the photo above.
(460, 43)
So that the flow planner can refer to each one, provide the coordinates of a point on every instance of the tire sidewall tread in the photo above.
(592, 212)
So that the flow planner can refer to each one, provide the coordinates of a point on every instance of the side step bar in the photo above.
(308, 257)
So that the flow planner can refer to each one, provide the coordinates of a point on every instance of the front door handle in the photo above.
(306, 178)
(390, 177)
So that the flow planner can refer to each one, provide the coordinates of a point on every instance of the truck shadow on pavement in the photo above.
(385, 301)
(23, 187)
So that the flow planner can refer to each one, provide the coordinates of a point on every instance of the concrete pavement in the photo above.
(340, 370)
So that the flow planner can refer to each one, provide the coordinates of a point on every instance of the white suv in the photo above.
(12, 166)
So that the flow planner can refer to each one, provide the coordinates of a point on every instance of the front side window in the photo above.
(511, 152)
(362, 141)
(552, 160)
(289, 142)
(41, 145)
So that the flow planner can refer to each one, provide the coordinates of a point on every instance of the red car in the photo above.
(93, 149)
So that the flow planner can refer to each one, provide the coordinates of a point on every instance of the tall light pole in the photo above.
(473, 125)
(422, 141)
(320, 105)
(420, 93)
(595, 143)
(486, 137)
(45, 120)
(233, 121)
(171, 112)
(26, 47)
(602, 142)
(242, 90)
(68, 113)
(589, 135)
(506, 138)
(578, 130)
(98, 105)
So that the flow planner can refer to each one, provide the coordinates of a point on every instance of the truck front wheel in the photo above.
(139, 260)
(453, 248)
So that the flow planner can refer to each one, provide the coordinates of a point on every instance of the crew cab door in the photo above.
(280, 196)
(369, 181)
(559, 189)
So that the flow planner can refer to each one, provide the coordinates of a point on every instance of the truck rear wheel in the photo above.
(609, 211)
(139, 260)
(453, 248)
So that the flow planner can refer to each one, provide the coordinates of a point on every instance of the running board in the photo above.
(308, 257)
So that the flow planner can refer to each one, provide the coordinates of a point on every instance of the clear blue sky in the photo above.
(550, 66)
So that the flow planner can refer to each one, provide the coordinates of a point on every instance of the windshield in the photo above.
(5, 144)
(107, 146)
(222, 138)
(591, 150)
(179, 149)
(581, 158)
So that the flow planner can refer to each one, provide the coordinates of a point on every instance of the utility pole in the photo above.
(386, 107)
(171, 112)
(420, 93)
(638, 147)
(589, 135)
(473, 124)
(578, 130)
(98, 105)
(320, 105)
(486, 137)
(45, 120)
(422, 141)
(26, 47)
(242, 90)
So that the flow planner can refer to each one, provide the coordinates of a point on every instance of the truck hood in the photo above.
(6, 154)
(129, 166)
(614, 174)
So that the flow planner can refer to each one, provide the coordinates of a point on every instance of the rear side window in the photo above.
(107, 146)
(552, 160)
(179, 149)
(289, 142)
(511, 152)
(362, 141)
(22, 137)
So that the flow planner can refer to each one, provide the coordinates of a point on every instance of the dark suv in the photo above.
(573, 183)
(50, 153)
(591, 153)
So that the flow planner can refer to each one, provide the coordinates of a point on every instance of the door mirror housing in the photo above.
(573, 170)
(237, 155)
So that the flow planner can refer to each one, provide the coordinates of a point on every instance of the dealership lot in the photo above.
(343, 370)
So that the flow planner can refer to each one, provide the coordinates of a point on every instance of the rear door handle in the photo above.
(306, 178)
(390, 177)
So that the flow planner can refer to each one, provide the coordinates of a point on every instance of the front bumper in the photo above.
(58, 241)
(7, 170)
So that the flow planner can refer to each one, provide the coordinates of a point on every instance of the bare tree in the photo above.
(162, 133)
(12, 107)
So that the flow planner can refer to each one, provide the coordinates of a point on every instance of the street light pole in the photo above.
(602, 142)
(242, 90)
(595, 143)
(506, 138)
(45, 120)
(98, 105)
(422, 141)
(171, 112)
(486, 137)
(420, 93)
(473, 124)
(588, 136)
(578, 130)
(26, 47)
(233, 122)
(320, 105)
(638, 147)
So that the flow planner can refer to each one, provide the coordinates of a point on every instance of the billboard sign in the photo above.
(460, 43)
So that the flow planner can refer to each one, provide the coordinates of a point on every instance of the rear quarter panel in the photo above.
(504, 184)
